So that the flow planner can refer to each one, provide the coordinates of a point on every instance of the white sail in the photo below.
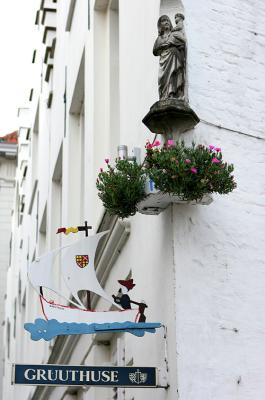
(41, 274)
(77, 278)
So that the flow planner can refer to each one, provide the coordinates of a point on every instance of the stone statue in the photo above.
(171, 47)
(171, 115)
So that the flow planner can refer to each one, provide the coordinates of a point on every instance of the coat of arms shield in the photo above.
(82, 260)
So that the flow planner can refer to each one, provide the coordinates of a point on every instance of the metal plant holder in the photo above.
(156, 201)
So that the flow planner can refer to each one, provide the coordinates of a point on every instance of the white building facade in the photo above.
(8, 155)
(199, 268)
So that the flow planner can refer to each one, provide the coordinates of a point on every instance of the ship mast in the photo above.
(88, 293)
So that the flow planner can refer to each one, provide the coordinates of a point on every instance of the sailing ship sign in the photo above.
(76, 266)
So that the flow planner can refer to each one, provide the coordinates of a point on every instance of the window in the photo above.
(107, 77)
(77, 149)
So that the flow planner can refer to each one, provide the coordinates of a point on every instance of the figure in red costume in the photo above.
(124, 300)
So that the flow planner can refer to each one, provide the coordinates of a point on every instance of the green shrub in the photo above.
(189, 172)
(122, 187)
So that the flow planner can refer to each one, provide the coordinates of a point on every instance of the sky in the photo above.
(17, 30)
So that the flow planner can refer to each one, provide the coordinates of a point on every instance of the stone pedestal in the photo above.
(171, 116)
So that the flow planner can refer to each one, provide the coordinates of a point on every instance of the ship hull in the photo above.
(72, 314)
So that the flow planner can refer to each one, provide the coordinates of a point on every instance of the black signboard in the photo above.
(66, 375)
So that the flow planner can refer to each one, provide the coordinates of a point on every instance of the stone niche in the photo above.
(171, 7)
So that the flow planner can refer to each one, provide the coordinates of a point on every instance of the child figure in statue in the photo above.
(178, 30)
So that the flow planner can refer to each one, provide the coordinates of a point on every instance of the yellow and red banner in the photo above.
(73, 229)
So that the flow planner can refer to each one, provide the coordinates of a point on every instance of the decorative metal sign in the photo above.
(66, 375)
(78, 273)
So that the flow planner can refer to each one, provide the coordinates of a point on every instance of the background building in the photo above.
(200, 269)
(8, 155)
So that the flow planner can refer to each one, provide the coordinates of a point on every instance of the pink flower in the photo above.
(194, 170)
(101, 169)
(187, 161)
(106, 160)
(156, 143)
(215, 160)
(148, 145)
(177, 162)
(218, 149)
(170, 142)
(211, 147)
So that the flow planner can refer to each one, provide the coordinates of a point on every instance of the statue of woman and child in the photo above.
(171, 47)
(172, 113)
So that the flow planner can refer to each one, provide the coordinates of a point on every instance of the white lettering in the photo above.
(93, 376)
(114, 376)
(73, 374)
(81, 375)
(26, 374)
(61, 375)
(84, 374)
(50, 373)
(105, 376)
(41, 374)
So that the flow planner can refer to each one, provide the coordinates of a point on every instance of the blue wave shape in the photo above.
(47, 330)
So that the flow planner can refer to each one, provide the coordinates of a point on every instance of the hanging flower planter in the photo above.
(181, 174)
(121, 187)
(173, 173)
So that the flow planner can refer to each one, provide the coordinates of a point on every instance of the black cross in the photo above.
(84, 228)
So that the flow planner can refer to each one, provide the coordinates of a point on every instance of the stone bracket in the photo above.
(170, 117)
